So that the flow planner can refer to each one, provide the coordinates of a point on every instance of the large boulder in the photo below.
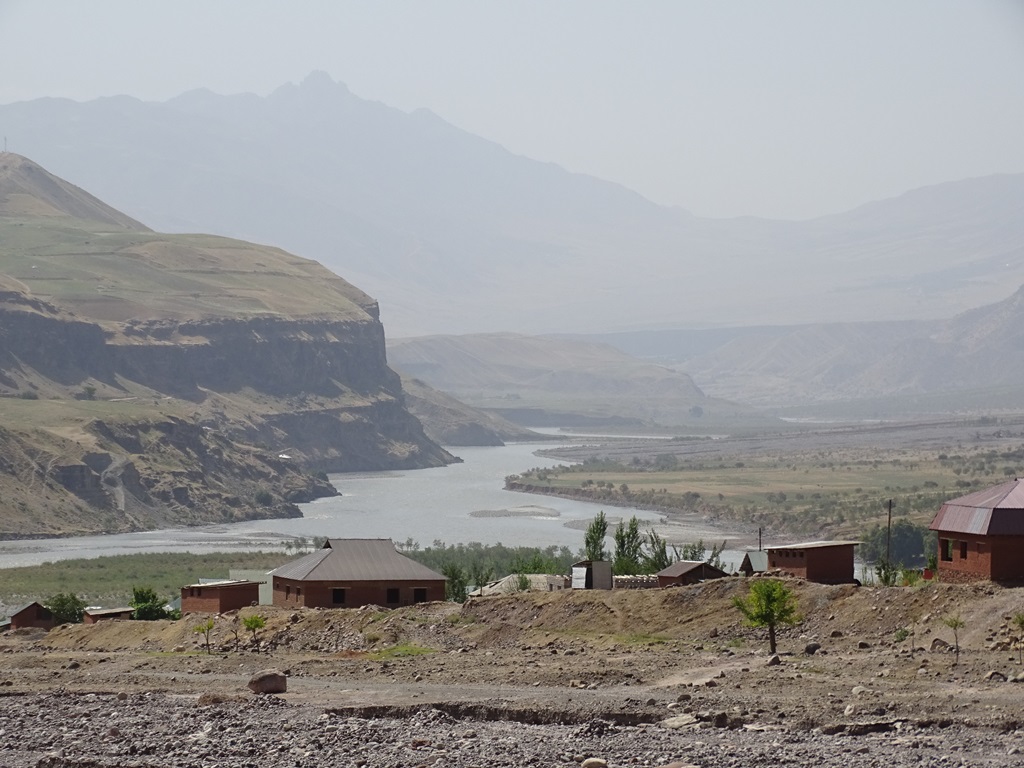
(268, 681)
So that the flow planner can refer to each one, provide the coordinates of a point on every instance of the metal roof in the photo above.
(108, 611)
(995, 511)
(221, 583)
(356, 560)
(813, 545)
(758, 560)
(681, 567)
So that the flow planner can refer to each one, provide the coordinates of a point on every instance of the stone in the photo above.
(859, 690)
(774, 660)
(268, 681)
(679, 721)
(812, 648)
(995, 676)
(594, 762)
(938, 644)
(863, 644)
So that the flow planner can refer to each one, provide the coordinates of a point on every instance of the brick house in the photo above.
(219, 596)
(349, 573)
(823, 562)
(688, 572)
(981, 535)
(32, 615)
(94, 615)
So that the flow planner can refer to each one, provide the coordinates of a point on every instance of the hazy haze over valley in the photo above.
(768, 206)
(786, 113)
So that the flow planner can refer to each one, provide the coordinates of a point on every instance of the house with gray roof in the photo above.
(981, 535)
(349, 573)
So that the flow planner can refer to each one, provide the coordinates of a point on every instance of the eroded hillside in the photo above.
(150, 380)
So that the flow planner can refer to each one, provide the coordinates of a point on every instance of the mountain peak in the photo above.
(29, 190)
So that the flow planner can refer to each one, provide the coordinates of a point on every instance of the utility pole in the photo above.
(888, 537)
(758, 538)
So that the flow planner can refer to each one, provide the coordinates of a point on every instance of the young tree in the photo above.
(254, 624)
(147, 604)
(205, 629)
(456, 583)
(1018, 622)
(956, 624)
(66, 607)
(628, 548)
(593, 539)
(656, 557)
(479, 574)
(768, 604)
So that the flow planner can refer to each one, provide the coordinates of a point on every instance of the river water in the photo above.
(460, 503)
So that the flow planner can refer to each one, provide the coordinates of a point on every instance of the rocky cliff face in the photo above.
(149, 380)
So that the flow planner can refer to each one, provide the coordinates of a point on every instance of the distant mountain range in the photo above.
(547, 382)
(454, 234)
(972, 361)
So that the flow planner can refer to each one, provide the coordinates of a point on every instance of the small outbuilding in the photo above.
(688, 572)
(823, 562)
(592, 574)
(981, 535)
(219, 596)
(94, 615)
(754, 561)
(32, 615)
(349, 573)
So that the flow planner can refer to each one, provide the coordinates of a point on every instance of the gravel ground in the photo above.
(648, 678)
(92, 730)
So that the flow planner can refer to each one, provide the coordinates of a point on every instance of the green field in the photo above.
(108, 581)
(832, 493)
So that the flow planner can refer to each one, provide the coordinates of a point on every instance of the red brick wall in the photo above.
(824, 565)
(290, 593)
(987, 557)
(32, 616)
(212, 598)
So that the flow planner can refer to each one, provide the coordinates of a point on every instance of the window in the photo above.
(947, 549)
(287, 592)
(338, 596)
(963, 550)
(419, 595)
(298, 592)
(392, 595)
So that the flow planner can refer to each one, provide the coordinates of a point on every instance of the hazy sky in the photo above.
(780, 109)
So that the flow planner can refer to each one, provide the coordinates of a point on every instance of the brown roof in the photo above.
(995, 511)
(356, 560)
(108, 611)
(683, 567)
(814, 545)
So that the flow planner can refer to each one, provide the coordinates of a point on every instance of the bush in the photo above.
(67, 608)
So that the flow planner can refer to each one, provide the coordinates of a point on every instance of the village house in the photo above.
(688, 572)
(592, 574)
(754, 561)
(349, 573)
(32, 615)
(94, 615)
(823, 562)
(981, 535)
(219, 596)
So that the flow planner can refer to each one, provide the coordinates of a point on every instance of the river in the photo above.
(460, 503)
